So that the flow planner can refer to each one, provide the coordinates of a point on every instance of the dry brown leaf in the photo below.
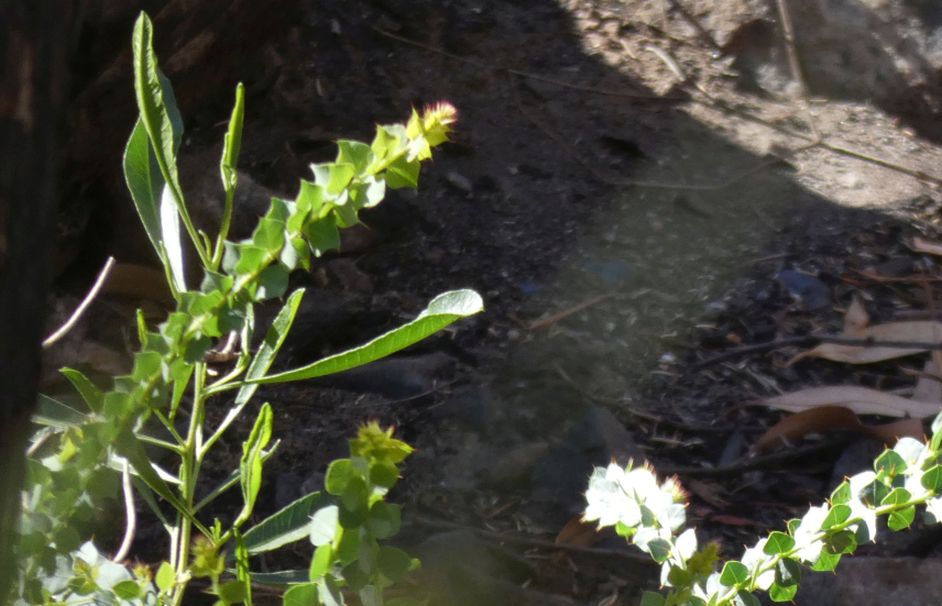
(926, 246)
(138, 282)
(861, 400)
(578, 533)
(917, 331)
(856, 317)
(928, 387)
(827, 418)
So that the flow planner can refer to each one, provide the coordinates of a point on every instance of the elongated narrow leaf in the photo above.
(290, 524)
(144, 181)
(130, 447)
(91, 394)
(231, 480)
(228, 171)
(862, 400)
(173, 245)
(441, 311)
(233, 142)
(280, 578)
(274, 339)
(155, 101)
(250, 467)
(265, 356)
(53, 413)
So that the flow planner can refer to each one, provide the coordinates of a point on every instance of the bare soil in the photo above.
(627, 181)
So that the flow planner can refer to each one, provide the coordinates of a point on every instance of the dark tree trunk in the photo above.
(32, 86)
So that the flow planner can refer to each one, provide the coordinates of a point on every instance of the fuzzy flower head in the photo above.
(430, 128)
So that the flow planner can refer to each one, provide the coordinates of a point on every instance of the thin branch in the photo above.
(77, 314)
(769, 461)
(788, 32)
(634, 556)
(811, 341)
(523, 74)
(813, 138)
(130, 512)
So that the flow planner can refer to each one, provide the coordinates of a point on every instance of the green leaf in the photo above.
(649, 598)
(932, 479)
(348, 547)
(324, 525)
(384, 520)
(127, 590)
(744, 598)
(355, 153)
(383, 473)
(243, 572)
(890, 463)
(782, 593)
(144, 181)
(841, 494)
(272, 283)
(787, 573)
(289, 524)
(896, 497)
(837, 515)
(130, 447)
(53, 413)
(901, 519)
(355, 495)
(250, 466)
(441, 311)
(232, 592)
(340, 175)
(265, 356)
(339, 474)
(323, 235)
(734, 573)
(301, 595)
(393, 563)
(232, 144)
(826, 562)
(280, 578)
(778, 542)
(165, 577)
(659, 549)
(91, 394)
(170, 230)
(321, 562)
(403, 173)
(841, 542)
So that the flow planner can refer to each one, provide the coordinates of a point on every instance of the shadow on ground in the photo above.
(524, 208)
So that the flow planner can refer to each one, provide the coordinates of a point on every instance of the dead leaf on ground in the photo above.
(138, 282)
(926, 246)
(861, 400)
(711, 493)
(928, 385)
(918, 331)
(856, 317)
(578, 533)
(829, 418)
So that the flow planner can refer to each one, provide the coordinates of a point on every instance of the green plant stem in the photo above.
(189, 472)
(168, 424)
(161, 443)
(749, 585)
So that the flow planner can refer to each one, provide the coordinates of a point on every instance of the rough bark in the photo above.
(32, 82)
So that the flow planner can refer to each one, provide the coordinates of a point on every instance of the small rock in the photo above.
(463, 570)
(459, 181)
(808, 291)
(514, 467)
(397, 378)
(864, 581)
